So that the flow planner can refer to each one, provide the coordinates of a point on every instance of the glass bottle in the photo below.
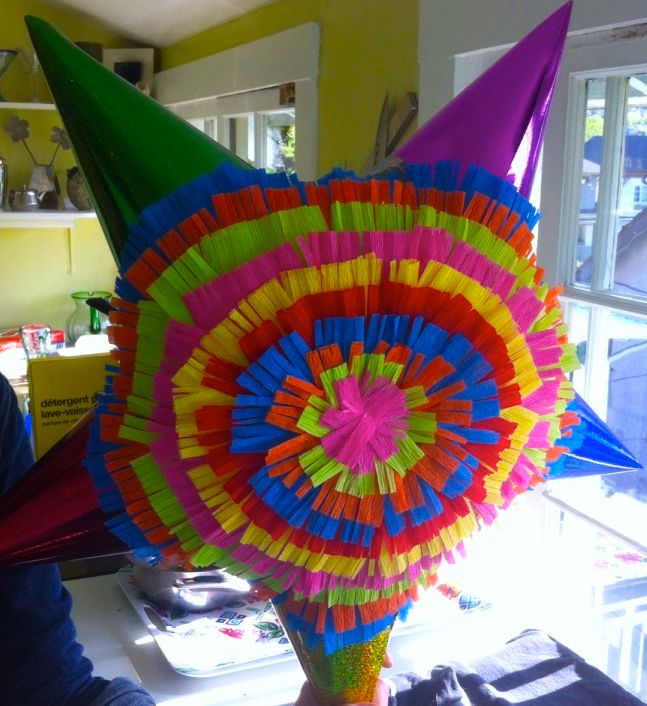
(85, 319)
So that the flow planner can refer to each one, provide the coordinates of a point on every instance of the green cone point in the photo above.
(131, 150)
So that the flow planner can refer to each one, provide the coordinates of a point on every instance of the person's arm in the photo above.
(41, 663)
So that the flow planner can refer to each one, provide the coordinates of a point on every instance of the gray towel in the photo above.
(532, 669)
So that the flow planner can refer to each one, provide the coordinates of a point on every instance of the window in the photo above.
(253, 125)
(603, 257)
(259, 126)
(258, 99)
(640, 196)
(591, 561)
(594, 240)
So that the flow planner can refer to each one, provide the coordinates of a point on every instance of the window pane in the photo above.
(577, 318)
(206, 125)
(239, 137)
(631, 246)
(279, 141)
(616, 359)
(613, 195)
(593, 128)
(598, 598)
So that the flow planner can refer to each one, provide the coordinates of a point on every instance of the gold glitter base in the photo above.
(346, 676)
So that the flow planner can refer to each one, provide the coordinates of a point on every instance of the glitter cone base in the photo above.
(348, 675)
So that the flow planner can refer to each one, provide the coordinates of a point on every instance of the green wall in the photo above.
(35, 263)
(368, 48)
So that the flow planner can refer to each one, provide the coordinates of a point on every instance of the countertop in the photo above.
(119, 644)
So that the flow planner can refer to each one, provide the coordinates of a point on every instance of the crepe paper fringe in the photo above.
(330, 385)
(340, 627)
(188, 216)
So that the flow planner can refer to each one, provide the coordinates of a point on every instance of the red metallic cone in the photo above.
(53, 514)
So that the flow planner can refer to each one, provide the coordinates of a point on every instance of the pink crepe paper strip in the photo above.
(367, 423)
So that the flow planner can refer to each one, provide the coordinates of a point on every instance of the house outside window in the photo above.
(640, 196)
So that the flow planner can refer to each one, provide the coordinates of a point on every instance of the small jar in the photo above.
(85, 318)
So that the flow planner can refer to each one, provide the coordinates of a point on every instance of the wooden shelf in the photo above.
(42, 219)
(8, 105)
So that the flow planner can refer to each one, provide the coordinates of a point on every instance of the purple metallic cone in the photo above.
(498, 121)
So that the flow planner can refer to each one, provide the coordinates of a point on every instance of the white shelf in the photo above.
(42, 219)
(8, 105)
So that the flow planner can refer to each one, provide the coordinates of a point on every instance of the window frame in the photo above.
(605, 53)
(193, 90)
(609, 54)
(602, 40)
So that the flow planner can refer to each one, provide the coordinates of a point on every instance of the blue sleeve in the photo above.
(41, 663)
(40, 660)
(15, 451)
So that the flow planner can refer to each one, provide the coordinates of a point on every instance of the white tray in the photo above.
(241, 634)
(223, 640)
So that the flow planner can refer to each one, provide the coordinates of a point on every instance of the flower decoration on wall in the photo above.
(18, 130)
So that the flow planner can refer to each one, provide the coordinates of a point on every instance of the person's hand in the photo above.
(380, 697)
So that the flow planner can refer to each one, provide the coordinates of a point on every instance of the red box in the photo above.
(10, 339)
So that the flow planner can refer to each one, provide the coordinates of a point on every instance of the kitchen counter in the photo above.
(119, 644)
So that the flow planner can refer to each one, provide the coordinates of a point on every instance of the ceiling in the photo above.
(159, 23)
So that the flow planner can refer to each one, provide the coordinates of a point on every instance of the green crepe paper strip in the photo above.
(318, 466)
(143, 386)
(415, 397)
(353, 216)
(358, 216)
(310, 419)
(133, 429)
(358, 486)
(384, 476)
(329, 378)
(227, 249)
(151, 326)
(406, 457)
(141, 406)
(318, 403)
(358, 596)
(422, 427)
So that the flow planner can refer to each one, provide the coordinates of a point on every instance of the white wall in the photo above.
(449, 28)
